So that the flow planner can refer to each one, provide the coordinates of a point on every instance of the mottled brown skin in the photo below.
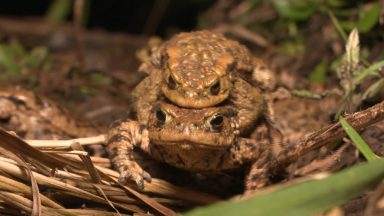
(35, 117)
(197, 140)
(207, 74)
(203, 69)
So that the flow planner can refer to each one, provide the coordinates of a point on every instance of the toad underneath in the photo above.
(197, 140)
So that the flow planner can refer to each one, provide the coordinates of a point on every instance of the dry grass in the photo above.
(60, 178)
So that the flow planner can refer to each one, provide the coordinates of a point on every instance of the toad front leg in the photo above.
(249, 102)
(260, 159)
(122, 139)
(257, 154)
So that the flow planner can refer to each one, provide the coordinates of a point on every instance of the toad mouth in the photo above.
(170, 137)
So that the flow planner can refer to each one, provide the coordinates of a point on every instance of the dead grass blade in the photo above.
(36, 208)
(10, 185)
(151, 202)
(95, 177)
(88, 212)
(88, 164)
(17, 145)
(60, 186)
(164, 188)
(24, 204)
(36, 202)
(66, 143)
(84, 180)
(156, 186)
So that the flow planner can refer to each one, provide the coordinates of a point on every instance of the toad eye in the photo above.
(215, 88)
(171, 82)
(161, 116)
(217, 122)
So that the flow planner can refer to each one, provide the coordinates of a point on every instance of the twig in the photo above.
(156, 14)
(243, 33)
(77, 153)
(66, 143)
(78, 8)
(359, 121)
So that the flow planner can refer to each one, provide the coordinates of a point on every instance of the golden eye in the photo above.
(215, 88)
(217, 122)
(171, 82)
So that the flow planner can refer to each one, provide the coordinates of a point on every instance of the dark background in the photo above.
(131, 16)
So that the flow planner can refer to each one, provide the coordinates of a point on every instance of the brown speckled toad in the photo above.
(203, 69)
(197, 140)
(207, 78)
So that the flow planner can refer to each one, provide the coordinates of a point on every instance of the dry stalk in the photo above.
(75, 181)
(58, 144)
(332, 133)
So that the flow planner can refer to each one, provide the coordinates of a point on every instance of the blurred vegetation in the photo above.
(291, 26)
(16, 60)
(305, 198)
(59, 11)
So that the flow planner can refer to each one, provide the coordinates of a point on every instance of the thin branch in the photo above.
(156, 14)
(78, 8)
(243, 33)
(332, 133)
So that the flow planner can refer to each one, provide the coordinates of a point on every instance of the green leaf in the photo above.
(370, 70)
(292, 48)
(319, 73)
(336, 3)
(16, 49)
(295, 9)
(100, 79)
(374, 89)
(347, 25)
(357, 140)
(88, 91)
(369, 18)
(37, 57)
(58, 11)
(306, 94)
(8, 62)
(307, 198)
(337, 25)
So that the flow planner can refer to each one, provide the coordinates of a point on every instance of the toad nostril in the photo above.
(179, 126)
(194, 126)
